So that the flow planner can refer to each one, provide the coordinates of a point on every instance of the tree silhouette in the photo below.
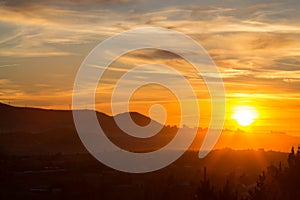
(205, 190)
(291, 177)
(278, 183)
(227, 193)
(259, 192)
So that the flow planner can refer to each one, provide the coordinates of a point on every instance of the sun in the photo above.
(244, 115)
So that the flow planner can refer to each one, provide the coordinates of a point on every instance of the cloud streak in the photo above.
(254, 44)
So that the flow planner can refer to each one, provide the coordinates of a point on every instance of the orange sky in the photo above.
(255, 46)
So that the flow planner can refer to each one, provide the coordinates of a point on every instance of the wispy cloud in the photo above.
(254, 44)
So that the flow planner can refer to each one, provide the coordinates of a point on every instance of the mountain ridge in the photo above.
(14, 118)
(34, 130)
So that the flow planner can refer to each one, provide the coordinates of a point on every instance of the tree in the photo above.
(227, 193)
(259, 192)
(205, 190)
(278, 183)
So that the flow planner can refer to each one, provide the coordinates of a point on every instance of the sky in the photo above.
(255, 45)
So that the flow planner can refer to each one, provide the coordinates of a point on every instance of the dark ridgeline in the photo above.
(27, 131)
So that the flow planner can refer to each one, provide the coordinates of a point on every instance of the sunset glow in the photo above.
(244, 115)
(254, 45)
(150, 99)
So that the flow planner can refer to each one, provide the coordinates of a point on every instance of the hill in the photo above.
(27, 131)
(40, 131)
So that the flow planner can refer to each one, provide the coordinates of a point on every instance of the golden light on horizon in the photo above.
(244, 115)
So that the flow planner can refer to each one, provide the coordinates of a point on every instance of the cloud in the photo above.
(255, 45)
(8, 65)
(77, 22)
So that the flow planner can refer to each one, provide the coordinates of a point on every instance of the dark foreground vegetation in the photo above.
(223, 174)
(275, 183)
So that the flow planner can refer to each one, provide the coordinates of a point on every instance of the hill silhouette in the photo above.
(35, 120)
(33, 131)
(37, 131)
